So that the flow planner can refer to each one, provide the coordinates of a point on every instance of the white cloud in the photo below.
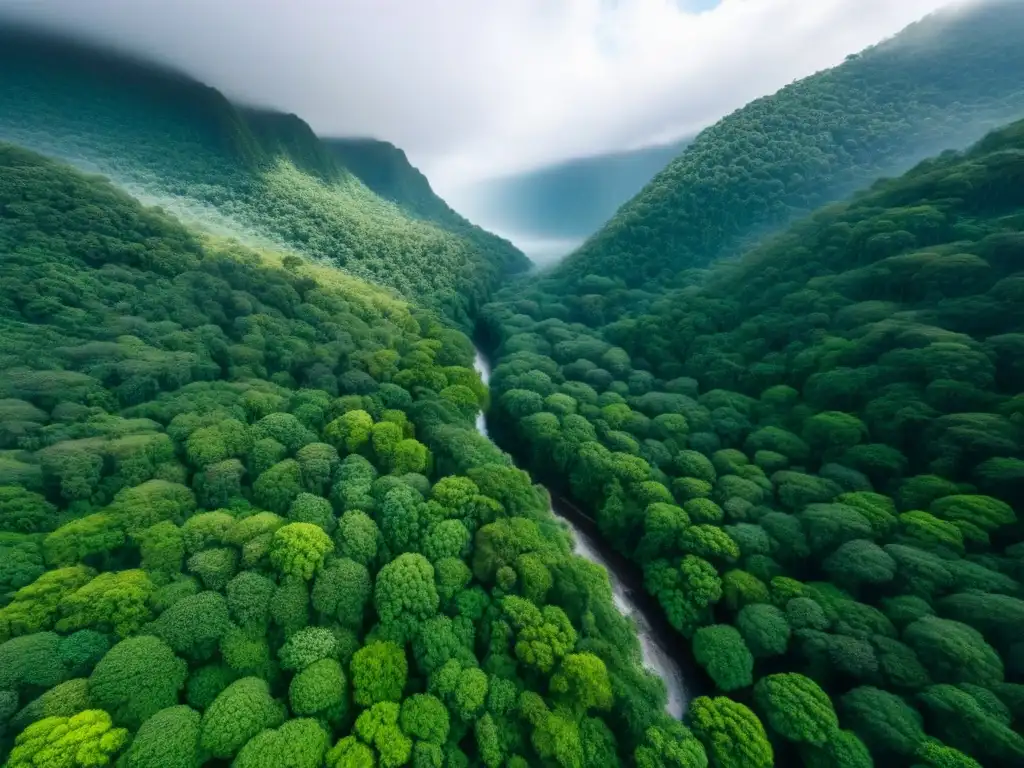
(473, 88)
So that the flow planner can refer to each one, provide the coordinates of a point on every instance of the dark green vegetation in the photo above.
(814, 453)
(941, 83)
(182, 144)
(245, 518)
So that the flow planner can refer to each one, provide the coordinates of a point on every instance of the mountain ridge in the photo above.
(266, 174)
(943, 81)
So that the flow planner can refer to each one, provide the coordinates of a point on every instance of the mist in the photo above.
(476, 90)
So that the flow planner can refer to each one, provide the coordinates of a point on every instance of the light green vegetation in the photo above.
(244, 520)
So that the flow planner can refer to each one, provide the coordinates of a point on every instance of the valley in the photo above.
(661, 654)
(302, 468)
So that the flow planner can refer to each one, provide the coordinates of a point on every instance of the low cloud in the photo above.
(476, 89)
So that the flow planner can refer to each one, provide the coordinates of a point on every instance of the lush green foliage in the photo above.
(246, 519)
(813, 453)
(940, 81)
(237, 169)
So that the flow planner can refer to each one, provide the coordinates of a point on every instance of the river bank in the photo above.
(658, 640)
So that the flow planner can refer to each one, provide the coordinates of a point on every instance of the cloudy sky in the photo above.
(477, 88)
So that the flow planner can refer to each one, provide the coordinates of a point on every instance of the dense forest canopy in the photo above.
(814, 453)
(941, 83)
(176, 141)
(246, 520)
(245, 517)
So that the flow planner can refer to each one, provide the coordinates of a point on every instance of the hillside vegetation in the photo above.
(245, 517)
(183, 145)
(941, 83)
(814, 453)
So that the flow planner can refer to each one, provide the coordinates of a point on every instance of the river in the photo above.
(656, 636)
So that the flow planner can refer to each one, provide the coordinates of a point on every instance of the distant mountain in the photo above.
(571, 199)
(244, 171)
(941, 83)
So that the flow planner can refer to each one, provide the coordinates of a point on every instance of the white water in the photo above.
(655, 656)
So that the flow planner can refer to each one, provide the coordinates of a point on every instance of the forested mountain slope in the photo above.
(245, 518)
(386, 170)
(941, 83)
(816, 453)
(182, 144)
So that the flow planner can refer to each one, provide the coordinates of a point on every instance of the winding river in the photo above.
(657, 638)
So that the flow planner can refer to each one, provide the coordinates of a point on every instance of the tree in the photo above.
(350, 432)
(245, 653)
(462, 687)
(299, 550)
(31, 660)
(22, 511)
(860, 562)
(582, 682)
(113, 602)
(136, 679)
(194, 625)
(249, 595)
(284, 428)
(830, 525)
(730, 732)
(307, 646)
(214, 567)
(162, 547)
(349, 752)
(886, 723)
(935, 754)
(289, 607)
(379, 671)
(764, 628)
(342, 591)
(168, 739)
(954, 652)
(300, 743)
(206, 683)
(307, 508)
(542, 636)
(86, 740)
(424, 717)
(720, 649)
(379, 726)
(983, 511)
(219, 483)
(833, 431)
(87, 537)
(967, 720)
(410, 456)
(556, 735)
(207, 529)
(239, 712)
(670, 745)
(686, 592)
(440, 639)
(319, 690)
(796, 708)
(448, 538)
(842, 749)
(357, 536)
(405, 590)
(278, 486)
